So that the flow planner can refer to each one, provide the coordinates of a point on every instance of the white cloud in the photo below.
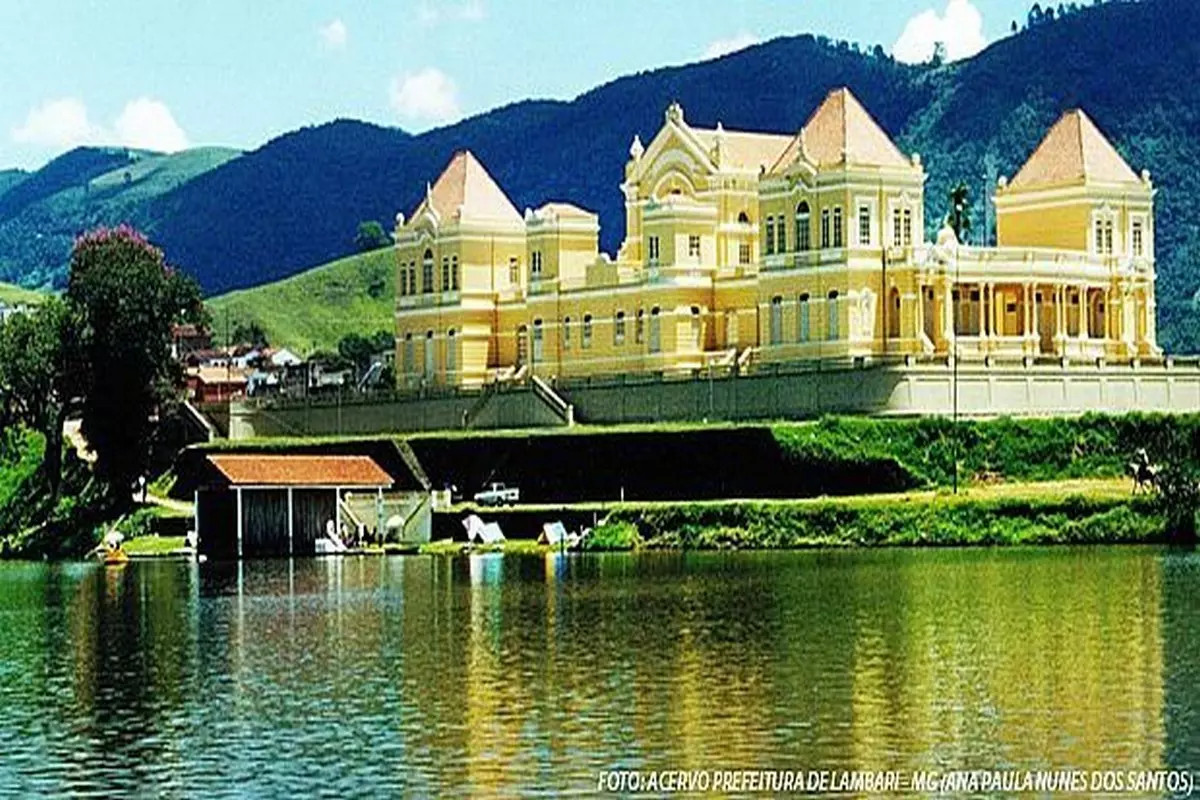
(144, 123)
(723, 47)
(426, 95)
(334, 35)
(149, 125)
(960, 29)
(431, 12)
(57, 123)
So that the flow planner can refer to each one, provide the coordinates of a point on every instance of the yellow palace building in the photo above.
(749, 249)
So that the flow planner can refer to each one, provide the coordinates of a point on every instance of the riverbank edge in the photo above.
(940, 521)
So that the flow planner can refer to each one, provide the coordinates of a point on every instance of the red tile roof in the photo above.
(296, 470)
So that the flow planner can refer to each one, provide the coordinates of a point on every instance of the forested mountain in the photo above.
(296, 202)
(42, 213)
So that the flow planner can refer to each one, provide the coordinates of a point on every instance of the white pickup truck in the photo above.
(497, 494)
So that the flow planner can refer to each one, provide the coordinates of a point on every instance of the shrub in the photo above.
(614, 536)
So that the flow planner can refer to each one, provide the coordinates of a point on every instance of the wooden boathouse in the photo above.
(278, 505)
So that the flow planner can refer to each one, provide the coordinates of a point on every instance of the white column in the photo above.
(239, 520)
(291, 524)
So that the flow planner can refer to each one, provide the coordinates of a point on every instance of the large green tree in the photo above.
(41, 374)
(127, 298)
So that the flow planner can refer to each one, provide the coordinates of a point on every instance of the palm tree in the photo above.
(960, 210)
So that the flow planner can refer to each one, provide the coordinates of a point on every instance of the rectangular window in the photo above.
(802, 323)
(744, 253)
(535, 265)
(619, 328)
(1108, 237)
(693, 246)
(566, 333)
(824, 228)
(403, 279)
(454, 273)
(908, 227)
(837, 228)
(803, 234)
(451, 352)
(537, 341)
(427, 275)
(770, 236)
(831, 316)
(776, 331)
(897, 229)
(652, 250)
(1138, 242)
(781, 236)
(412, 277)
(864, 226)
(1099, 236)
(514, 270)
(586, 339)
(655, 330)
(445, 274)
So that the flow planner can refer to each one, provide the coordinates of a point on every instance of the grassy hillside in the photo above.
(12, 295)
(313, 310)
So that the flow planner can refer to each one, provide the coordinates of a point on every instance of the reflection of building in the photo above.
(754, 248)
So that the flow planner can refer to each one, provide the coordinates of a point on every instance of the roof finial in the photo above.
(719, 143)
(675, 113)
(636, 149)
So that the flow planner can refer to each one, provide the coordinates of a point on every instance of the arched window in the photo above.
(776, 331)
(427, 272)
(769, 238)
(831, 317)
(410, 366)
(803, 232)
(619, 329)
(697, 326)
(655, 330)
(586, 338)
(428, 354)
(743, 218)
(802, 318)
(639, 332)
(451, 353)
(566, 333)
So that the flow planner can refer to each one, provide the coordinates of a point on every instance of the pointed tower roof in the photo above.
(1074, 151)
(465, 184)
(842, 130)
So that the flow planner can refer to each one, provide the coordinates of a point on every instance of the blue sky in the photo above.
(169, 74)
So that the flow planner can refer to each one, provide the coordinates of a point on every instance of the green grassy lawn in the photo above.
(313, 310)
(146, 546)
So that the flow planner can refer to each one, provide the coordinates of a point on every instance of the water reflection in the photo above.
(506, 674)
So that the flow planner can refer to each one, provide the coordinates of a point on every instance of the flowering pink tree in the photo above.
(128, 299)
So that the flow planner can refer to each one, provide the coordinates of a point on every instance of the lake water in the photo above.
(503, 675)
